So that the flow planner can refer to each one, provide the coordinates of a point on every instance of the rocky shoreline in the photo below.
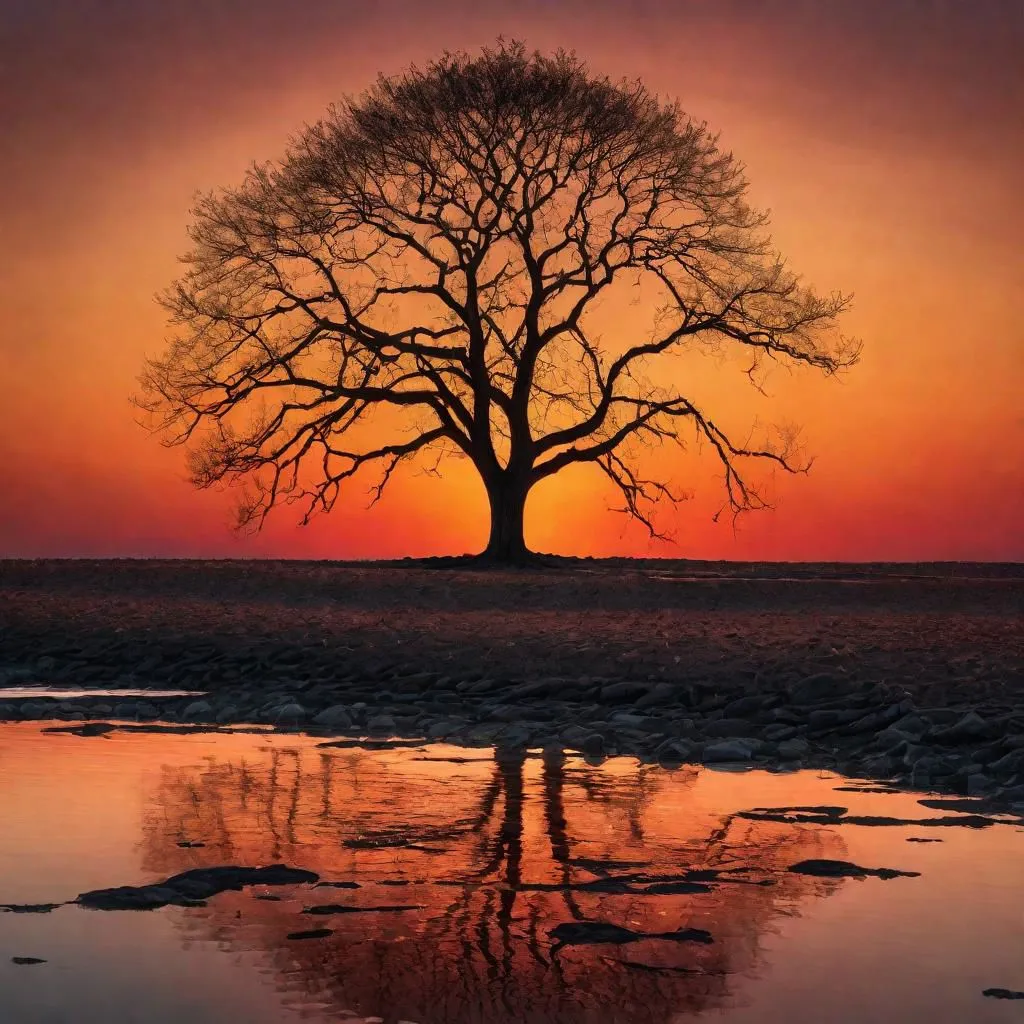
(872, 732)
(670, 670)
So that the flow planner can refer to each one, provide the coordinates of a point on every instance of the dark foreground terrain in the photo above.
(910, 673)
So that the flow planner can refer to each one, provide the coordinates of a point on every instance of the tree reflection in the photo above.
(497, 851)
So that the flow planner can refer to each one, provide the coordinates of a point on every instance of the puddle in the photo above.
(70, 692)
(496, 888)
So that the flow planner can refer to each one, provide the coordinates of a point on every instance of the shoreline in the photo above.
(915, 681)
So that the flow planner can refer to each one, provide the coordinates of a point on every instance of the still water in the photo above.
(491, 865)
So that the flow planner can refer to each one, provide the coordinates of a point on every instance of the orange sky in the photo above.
(886, 137)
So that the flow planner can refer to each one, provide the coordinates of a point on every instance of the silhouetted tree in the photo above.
(427, 259)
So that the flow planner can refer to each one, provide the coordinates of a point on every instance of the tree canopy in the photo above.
(420, 273)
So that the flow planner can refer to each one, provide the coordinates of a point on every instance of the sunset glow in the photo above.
(887, 142)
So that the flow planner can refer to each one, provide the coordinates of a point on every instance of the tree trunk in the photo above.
(507, 543)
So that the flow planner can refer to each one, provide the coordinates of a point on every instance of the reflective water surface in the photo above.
(486, 886)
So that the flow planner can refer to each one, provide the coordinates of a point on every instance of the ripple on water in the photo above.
(530, 887)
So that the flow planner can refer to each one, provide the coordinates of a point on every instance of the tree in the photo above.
(426, 260)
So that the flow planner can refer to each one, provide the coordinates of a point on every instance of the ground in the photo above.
(426, 643)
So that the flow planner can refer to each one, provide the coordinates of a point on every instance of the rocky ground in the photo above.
(909, 674)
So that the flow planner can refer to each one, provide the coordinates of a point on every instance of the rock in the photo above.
(227, 714)
(1010, 764)
(844, 869)
(26, 960)
(794, 748)
(335, 717)
(593, 744)
(971, 727)
(33, 709)
(728, 727)
(290, 713)
(1002, 993)
(312, 933)
(197, 710)
(818, 687)
(143, 709)
(191, 887)
(381, 725)
(123, 711)
(663, 693)
(9, 711)
(779, 731)
(624, 693)
(673, 753)
(29, 908)
(979, 784)
(585, 933)
(742, 707)
(832, 718)
(728, 750)
(45, 664)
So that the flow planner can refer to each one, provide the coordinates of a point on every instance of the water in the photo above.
(488, 845)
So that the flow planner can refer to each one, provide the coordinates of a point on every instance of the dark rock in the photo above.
(290, 714)
(742, 707)
(1010, 764)
(29, 908)
(727, 751)
(673, 753)
(88, 729)
(312, 933)
(1002, 993)
(25, 960)
(586, 933)
(794, 748)
(381, 725)
(189, 887)
(197, 710)
(971, 727)
(728, 727)
(921, 839)
(337, 885)
(844, 869)
(819, 687)
(188, 844)
(624, 693)
(335, 717)
(593, 744)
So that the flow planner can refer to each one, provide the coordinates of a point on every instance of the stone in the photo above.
(1010, 764)
(844, 869)
(818, 687)
(381, 724)
(674, 753)
(190, 886)
(728, 727)
(335, 717)
(749, 705)
(793, 748)
(971, 727)
(625, 692)
(593, 744)
(290, 713)
(198, 709)
(979, 784)
(727, 750)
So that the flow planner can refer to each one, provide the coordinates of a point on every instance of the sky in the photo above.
(885, 136)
